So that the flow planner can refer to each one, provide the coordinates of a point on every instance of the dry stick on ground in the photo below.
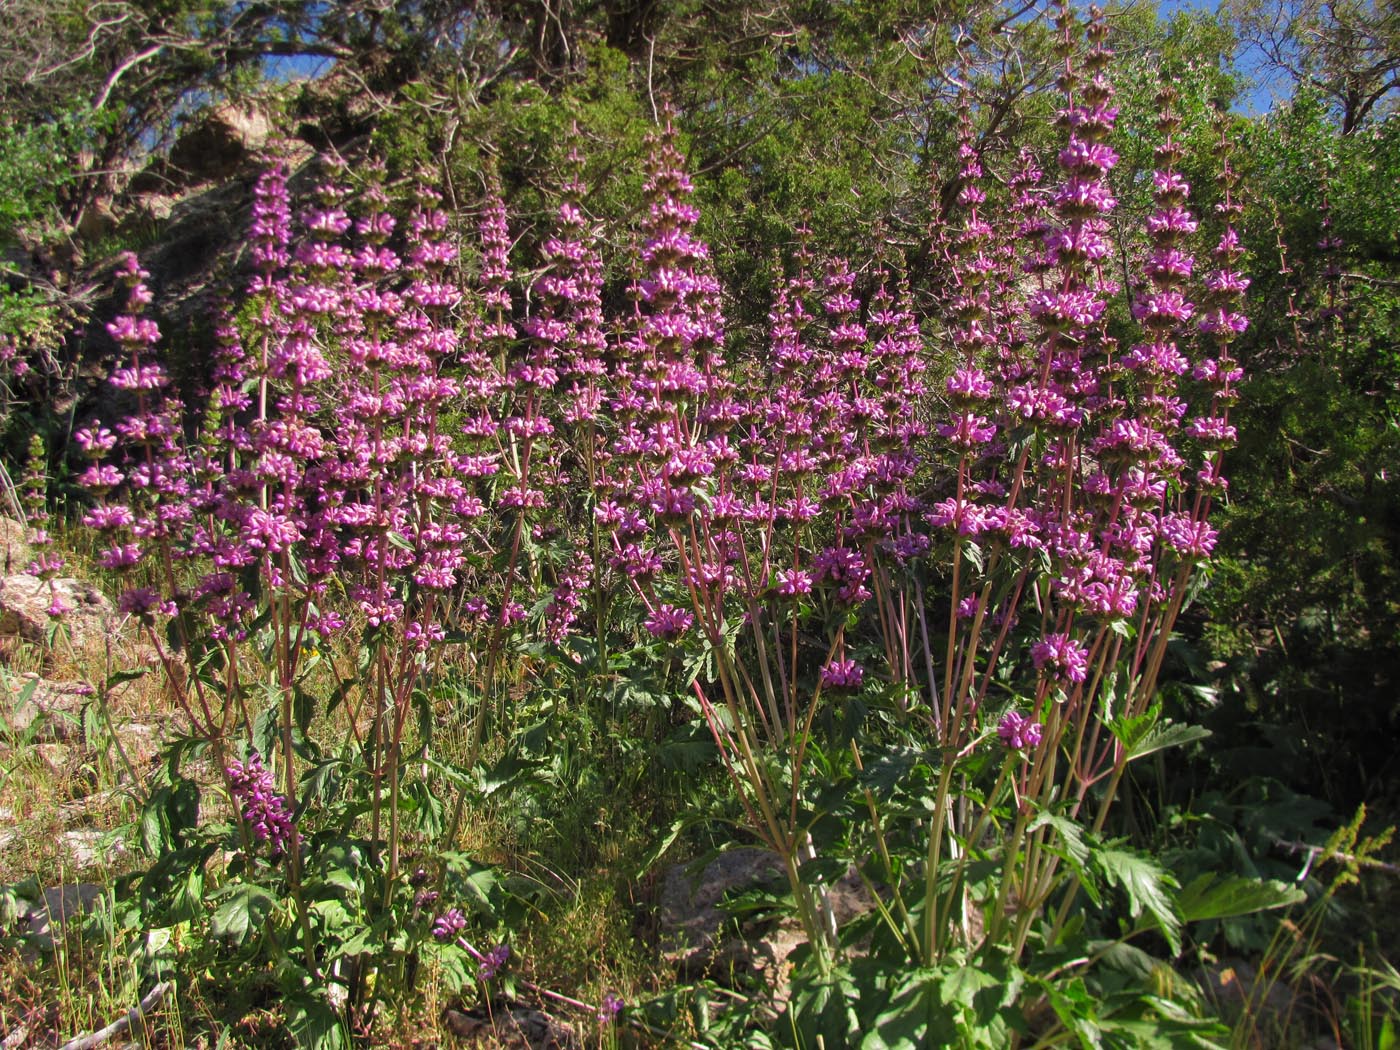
(121, 1024)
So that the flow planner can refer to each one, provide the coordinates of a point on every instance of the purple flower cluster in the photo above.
(622, 462)
(448, 925)
(1019, 732)
(262, 809)
(1061, 655)
(668, 622)
(492, 962)
(842, 676)
(610, 1008)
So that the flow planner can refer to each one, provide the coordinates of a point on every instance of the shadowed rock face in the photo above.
(223, 140)
(61, 905)
(692, 921)
(697, 933)
(519, 1028)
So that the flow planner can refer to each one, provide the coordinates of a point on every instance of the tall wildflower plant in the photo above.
(298, 551)
(915, 576)
(1007, 577)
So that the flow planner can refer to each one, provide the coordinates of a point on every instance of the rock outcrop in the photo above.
(27, 602)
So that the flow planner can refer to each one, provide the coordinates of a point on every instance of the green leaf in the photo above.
(1212, 896)
(825, 1006)
(1074, 1006)
(973, 553)
(116, 678)
(423, 804)
(423, 706)
(472, 882)
(244, 910)
(1147, 885)
(960, 987)
(265, 728)
(338, 868)
(1127, 959)
(303, 709)
(17, 899)
(509, 772)
(154, 834)
(168, 816)
(1069, 844)
(333, 918)
(679, 825)
(1161, 737)
(313, 1023)
(1146, 733)
(1131, 732)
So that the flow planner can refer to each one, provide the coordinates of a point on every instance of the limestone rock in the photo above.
(87, 848)
(1238, 991)
(44, 711)
(140, 741)
(25, 601)
(57, 757)
(15, 552)
(61, 905)
(97, 221)
(692, 921)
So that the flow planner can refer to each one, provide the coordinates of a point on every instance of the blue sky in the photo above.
(1269, 86)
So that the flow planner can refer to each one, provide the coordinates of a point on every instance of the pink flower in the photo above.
(1019, 732)
(842, 676)
(1064, 656)
(668, 622)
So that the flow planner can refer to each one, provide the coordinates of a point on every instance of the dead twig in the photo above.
(121, 1024)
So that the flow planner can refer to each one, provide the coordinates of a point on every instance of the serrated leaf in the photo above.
(973, 553)
(1076, 850)
(1147, 886)
(679, 825)
(895, 768)
(1161, 737)
(1210, 896)
(479, 888)
(1130, 732)
(154, 833)
(1125, 958)
(511, 771)
(1070, 844)
(960, 986)
(332, 916)
(265, 727)
(426, 808)
(1075, 1008)
(116, 678)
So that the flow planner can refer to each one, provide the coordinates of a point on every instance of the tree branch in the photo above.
(131, 63)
